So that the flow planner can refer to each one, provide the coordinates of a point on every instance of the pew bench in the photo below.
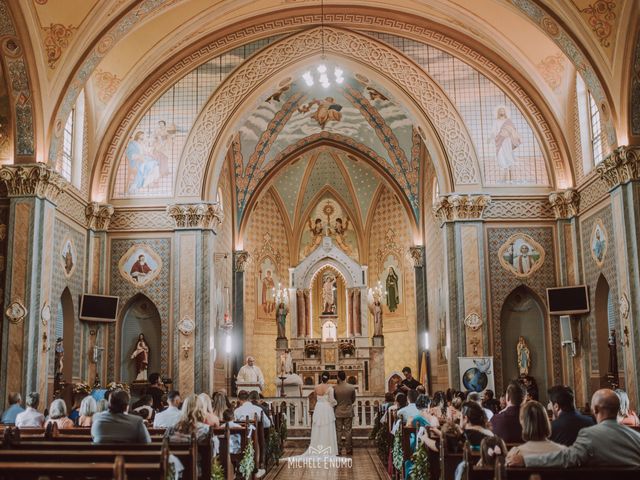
(547, 473)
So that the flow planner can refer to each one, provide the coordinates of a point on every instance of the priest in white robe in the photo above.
(251, 373)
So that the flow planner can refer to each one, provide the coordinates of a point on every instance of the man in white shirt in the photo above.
(410, 411)
(169, 417)
(248, 410)
(30, 417)
(251, 373)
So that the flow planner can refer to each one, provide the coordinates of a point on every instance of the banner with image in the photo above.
(476, 374)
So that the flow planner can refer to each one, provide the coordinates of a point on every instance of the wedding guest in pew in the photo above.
(399, 403)
(74, 415)
(506, 424)
(88, 408)
(475, 397)
(144, 408)
(169, 416)
(247, 410)
(116, 426)
(210, 418)
(219, 404)
(234, 438)
(535, 432)
(410, 410)
(606, 444)
(424, 417)
(10, 414)
(626, 416)
(474, 424)
(491, 449)
(191, 420)
(102, 405)
(439, 406)
(58, 415)
(567, 421)
(388, 401)
(156, 390)
(490, 402)
(258, 400)
(31, 417)
(454, 411)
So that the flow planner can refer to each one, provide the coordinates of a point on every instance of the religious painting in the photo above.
(392, 282)
(140, 265)
(476, 374)
(521, 255)
(327, 110)
(506, 141)
(598, 242)
(268, 281)
(68, 257)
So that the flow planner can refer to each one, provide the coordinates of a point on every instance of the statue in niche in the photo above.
(393, 297)
(339, 231)
(524, 357)
(59, 358)
(376, 309)
(317, 232)
(286, 363)
(141, 356)
(328, 294)
(281, 318)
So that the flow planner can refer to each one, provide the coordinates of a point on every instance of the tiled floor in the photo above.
(364, 465)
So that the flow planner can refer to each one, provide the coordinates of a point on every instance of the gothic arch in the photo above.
(453, 150)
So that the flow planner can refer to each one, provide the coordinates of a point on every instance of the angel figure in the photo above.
(328, 110)
(375, 307)
(339, 230)
(317, 230)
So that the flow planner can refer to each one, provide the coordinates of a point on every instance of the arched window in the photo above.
(70, 165)
(589, 125)
(67, 146)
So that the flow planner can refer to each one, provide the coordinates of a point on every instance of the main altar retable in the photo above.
(302, 358)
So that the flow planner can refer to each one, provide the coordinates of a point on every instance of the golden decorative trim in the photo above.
(98, 215)
(30, 180)
(565, 204)
(196, 215)
(456, 207)
(621, 166)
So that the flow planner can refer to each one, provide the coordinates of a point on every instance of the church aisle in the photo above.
(365, 465)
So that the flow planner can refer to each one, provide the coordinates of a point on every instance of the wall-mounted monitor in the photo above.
(568, 300)
(98, 308)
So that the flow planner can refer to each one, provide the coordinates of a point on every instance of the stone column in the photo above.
(422, 321)
(27, 325)
(461, 217)
(565, 205)
(620, 172)
(240, 258)
(98, 219)
(193, 331)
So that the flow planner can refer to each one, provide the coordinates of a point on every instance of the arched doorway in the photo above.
(523, 315)
(603, 309)
(65, 328)
(141, 316)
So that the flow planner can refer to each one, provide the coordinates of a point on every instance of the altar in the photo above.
(329, 317)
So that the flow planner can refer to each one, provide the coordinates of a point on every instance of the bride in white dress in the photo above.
(324, 442)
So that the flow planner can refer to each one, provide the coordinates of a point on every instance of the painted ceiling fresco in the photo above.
(356, 112)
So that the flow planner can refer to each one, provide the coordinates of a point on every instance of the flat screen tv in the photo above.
(98, 308)
(568, 300)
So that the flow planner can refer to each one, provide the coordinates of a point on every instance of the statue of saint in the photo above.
(393, 293)
(376, 309)
(59, 357)
(286, 363)
(141, 356)
(328, 296)
(524, 357)
(281, 318)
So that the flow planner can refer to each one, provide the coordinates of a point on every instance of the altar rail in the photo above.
(298, 410)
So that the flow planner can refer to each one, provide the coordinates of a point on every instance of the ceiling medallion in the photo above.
(16, 312)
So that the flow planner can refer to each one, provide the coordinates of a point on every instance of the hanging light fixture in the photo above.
(322, 74)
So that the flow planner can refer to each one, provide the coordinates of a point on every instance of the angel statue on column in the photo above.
(375, 307)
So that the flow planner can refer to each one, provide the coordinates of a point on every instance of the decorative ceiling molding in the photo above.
(98, 216)
(622, 166)
(35, 180)
(206, 216)
(565, 204)
(455, 207)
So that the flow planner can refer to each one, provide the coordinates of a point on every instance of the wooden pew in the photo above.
(229, 460)
(547, 473)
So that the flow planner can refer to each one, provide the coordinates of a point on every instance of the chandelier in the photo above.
(280, 295)
(321, 74)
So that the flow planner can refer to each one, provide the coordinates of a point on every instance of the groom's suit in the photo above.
(345, 396)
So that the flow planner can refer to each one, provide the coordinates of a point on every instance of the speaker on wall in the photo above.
(565, 329)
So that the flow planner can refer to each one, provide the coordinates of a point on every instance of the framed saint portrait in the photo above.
(521, 255)
(140, 265)
(68, 257)
(599, 242)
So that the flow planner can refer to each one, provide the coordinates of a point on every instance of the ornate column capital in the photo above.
(417, 255)
(206, 216)
(32, 180)
(453, 207)
(98, 215)
(565, 203)
(621, 166)
(240, 258)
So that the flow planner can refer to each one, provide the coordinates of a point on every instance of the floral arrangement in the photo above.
(217, 472)
(420, 460)
(118, 386)
(396, 455)
(347, 348)
(247, 464)
(312, 349)
(274, 447)
(81, 389)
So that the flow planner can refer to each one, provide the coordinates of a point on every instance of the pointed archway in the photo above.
(140, 316)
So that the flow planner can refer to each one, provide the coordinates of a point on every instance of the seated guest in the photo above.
(30, 418)
(58, 415)
(475, 397)
(491, 449)
(626, 416)
(9, 415)
(247, 410)
(234, 438)
(388, 401)
(88, 408)
(567, 421)
(421, 390)
(400, 402)
(219, 404)
(506, 424)
(410, 410)
(156, 390)
(424, 417)
(606, 444)
(502, 402)
(535, 432)
(191, 420)
(439, 406)
(474, 424)
(102, 405)
(490, 402)
(409, 383)
(116, 426)
(210, 418)
(75, 413)
(170, 416)
(144, 408)
(257, 399)
(454, 411)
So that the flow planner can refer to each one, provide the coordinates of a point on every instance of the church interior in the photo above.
(451, 186)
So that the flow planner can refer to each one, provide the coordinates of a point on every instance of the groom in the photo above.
(345, 397)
